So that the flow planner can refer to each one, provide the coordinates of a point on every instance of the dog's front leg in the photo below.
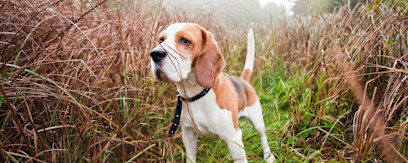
(189, 137)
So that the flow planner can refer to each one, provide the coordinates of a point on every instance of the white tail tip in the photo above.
(249, 62)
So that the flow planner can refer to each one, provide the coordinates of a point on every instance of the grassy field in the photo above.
(76, 85)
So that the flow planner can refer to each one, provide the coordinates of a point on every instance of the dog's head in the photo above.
(183, 47)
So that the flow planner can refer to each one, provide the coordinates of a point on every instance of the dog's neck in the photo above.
(189, 86)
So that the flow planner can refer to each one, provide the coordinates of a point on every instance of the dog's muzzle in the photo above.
(157, 55)
(161, 76)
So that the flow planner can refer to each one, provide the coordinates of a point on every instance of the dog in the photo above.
(189, 56)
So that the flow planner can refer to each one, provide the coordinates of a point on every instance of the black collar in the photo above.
(177, 116)
(196, 97)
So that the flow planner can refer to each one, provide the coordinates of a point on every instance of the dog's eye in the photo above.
(185, 41)
(161, 39)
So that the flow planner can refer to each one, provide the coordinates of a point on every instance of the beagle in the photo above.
(189, 56)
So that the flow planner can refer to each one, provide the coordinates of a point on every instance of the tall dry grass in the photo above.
(75, 82)
(363, 52)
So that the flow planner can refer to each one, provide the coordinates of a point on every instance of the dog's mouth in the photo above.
(161, 73)
(161, 76)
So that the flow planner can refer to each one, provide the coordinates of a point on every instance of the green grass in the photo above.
(278, 88)
(77, 103)
(288, 102)
(275, 88)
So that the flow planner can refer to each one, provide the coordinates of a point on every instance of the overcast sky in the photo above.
(233, 11)
(287, 4)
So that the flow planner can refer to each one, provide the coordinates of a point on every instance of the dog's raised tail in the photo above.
(249, 61)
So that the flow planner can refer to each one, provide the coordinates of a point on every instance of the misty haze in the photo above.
(104, 81)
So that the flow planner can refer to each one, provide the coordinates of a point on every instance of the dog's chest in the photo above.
(208, 117)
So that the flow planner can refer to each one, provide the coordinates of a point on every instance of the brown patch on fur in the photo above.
(209, 63)
(239, 89)
(203, 51)
(233, 94)
(250, 93)
(192, 33)
(227, 97)
(246, 75)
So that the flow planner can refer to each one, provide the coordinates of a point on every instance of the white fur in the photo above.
(173, 65)
(209, 120)
(249, 61)
(205, 116)
(254, 114)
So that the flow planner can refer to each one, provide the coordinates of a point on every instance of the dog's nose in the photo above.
(157, 55)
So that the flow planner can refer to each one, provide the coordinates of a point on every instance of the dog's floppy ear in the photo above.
(209, 63)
